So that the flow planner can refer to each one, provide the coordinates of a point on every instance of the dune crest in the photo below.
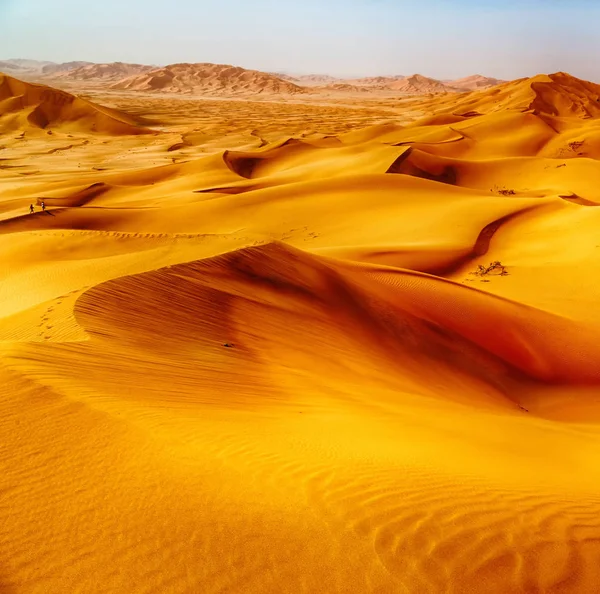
(28, 105)
(299, 345)
(558, 94)
(113, 72)
(214, 78)
(474, 82)
(418, 85)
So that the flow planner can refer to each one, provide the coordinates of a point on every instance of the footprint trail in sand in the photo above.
(276, 366)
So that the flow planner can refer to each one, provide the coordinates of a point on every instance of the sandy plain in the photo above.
(245, 349)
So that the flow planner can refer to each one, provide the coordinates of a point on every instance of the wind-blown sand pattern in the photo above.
(261, 347)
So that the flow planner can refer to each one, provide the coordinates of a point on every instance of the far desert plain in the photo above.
(276, 334)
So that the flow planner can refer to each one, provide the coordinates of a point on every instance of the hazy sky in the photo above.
(438, 38)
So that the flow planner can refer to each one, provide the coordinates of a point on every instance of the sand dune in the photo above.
(22, 67)
(267, 349)
(415, 84)
(112, 72)
(418, 84)
(36, 69)
(26, 106)
(206, 78)
(49, 69)
(308, 80)
(375, 81)
(474, 82)
(558, 94)
(214, 78)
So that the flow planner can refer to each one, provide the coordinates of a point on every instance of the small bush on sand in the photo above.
(503, 191)
(496, 268)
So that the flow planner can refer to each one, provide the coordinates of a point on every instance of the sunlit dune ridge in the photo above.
(351, 362)
(27, 106)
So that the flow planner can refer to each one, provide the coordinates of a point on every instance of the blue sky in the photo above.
(438, 38)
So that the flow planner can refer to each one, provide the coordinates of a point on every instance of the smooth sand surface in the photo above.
(246, 350)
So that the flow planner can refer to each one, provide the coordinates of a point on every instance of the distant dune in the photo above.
(342, 87)
(21, 67)
(471, 83)
(558, 94)
(26, 106)
(418, 84)
(308, 80)
(7, 66)
(208, 78)
(300, 346)
(88, 71)
(63, 68)
(375, 81)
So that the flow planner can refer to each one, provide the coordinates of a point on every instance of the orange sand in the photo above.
(381, 420)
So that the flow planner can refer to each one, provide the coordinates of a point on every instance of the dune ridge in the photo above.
(558, 94)
(216, 78)
(205, 78)
(113, 72)
(329, 358)
(30, 106)
(474, 82)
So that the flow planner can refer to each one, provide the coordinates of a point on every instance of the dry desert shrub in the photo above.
(503, 191)
(496, 268)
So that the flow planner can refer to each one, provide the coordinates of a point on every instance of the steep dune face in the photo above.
(25, 105)
(565, 95)
(557, 94)
(362, 362)
(214, 78)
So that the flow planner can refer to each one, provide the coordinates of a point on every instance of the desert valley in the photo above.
(297, 333)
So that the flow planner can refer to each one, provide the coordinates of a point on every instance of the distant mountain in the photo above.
(208, 78)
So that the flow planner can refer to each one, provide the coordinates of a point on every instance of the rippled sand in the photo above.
(254, 351)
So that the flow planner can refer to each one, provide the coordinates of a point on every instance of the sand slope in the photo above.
(418, 84)
(112, 72)
(287, 366)
(558, 94)
(214, 78)
(474, 82)
(27, 106)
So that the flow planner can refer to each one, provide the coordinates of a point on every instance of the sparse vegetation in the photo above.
(572, 147)
(495, 268)
(503, 191)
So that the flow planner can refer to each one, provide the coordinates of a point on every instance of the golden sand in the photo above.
(245, 348)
